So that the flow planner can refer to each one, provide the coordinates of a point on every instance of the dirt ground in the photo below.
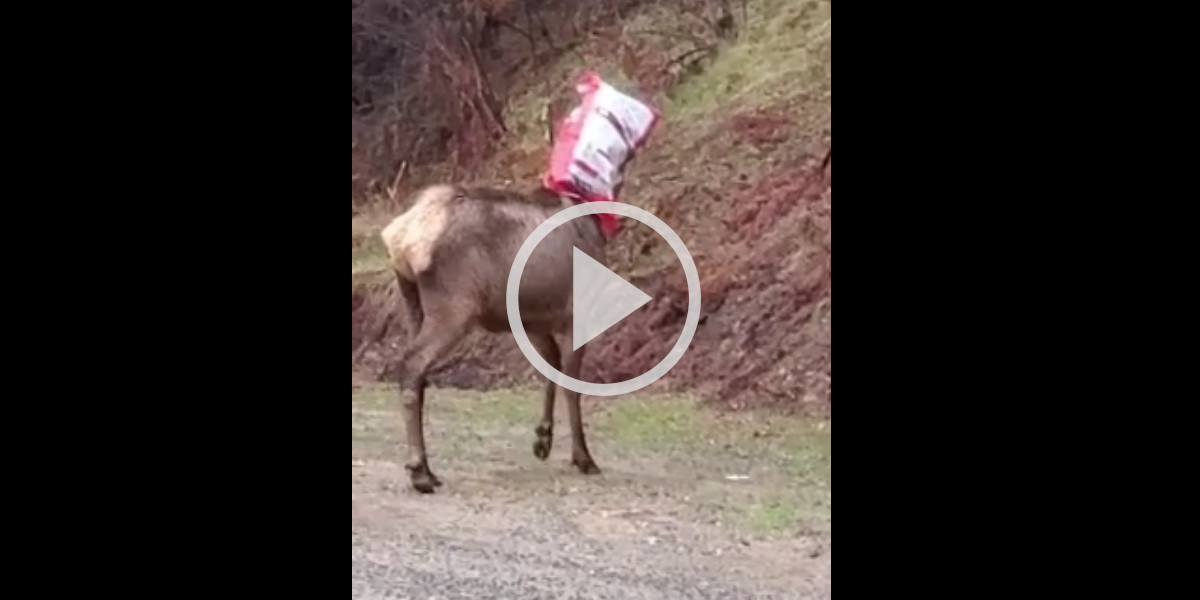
(686, 506)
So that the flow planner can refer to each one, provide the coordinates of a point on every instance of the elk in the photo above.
(451, 252)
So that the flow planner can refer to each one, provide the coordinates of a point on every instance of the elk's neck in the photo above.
(588, 229)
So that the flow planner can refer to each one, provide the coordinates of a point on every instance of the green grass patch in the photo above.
(773, 60)
(497, 409)
(789, 511)
(780, 55)
(473, 412)
(808, 455)
(651, 423)
(765, 474)
(660, 422)
(768, 474)
(776, 515)
(368, 256)
(503, 406)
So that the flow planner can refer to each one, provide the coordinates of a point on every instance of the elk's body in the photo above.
(451, 252)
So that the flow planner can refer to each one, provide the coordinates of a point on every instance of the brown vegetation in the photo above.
(429, 76)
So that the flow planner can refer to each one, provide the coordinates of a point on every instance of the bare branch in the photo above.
(394, 188)
(709, 49)
(549, 118)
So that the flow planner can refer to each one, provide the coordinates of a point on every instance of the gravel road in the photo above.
(509, 526)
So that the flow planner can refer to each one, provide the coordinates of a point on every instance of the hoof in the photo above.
(545, 439)
(422, 479)
(586, 466)
(541, 448)
(425, 482)
(425, 486)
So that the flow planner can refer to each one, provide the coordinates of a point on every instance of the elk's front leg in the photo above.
(580, 457)
(545, 429)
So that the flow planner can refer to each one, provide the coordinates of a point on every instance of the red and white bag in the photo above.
(595, 143)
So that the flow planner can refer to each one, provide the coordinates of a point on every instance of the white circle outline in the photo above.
(514, 310)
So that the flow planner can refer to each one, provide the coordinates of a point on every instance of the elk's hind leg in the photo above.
(440, 330)
(546, 345)
(412, 304)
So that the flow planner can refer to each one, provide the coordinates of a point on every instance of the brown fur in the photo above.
(451, 252)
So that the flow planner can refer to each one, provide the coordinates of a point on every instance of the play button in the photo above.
(599, 298)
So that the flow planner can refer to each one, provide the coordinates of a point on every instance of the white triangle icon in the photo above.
(599, 298)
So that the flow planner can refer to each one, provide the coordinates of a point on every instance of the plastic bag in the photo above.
(595, 143)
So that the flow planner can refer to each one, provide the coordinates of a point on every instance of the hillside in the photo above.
(740, 168)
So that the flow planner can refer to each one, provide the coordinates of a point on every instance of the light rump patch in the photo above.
(410, 237)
